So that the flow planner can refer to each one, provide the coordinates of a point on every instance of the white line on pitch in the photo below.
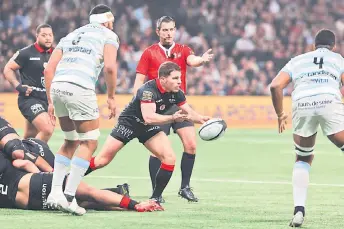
(219, 181)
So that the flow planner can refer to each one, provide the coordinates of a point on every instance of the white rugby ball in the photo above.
(212, 129)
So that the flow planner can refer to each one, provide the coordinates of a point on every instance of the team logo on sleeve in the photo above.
(147, 96)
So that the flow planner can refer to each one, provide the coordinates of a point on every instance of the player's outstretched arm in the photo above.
(139, 80)
(196, 61)
(277, 85)
(25, 165)
(193, 115)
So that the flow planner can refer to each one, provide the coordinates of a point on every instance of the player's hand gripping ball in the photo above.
(212, 129)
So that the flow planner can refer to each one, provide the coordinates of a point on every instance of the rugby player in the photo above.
(23, 186)
(151, 59)
(28, 149)
(70, 78)
(142, 118)
(316, 100)
(32, 99)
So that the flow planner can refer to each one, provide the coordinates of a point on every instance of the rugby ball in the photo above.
(212, 129)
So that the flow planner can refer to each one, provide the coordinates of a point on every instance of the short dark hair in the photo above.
(325, 38)
(41, 26)
(164, 19)
(100, 9)
(166, 68)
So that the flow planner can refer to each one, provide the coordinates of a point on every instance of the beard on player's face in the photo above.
(45, 44)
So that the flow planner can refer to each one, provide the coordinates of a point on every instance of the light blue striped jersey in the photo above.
(83, 57)
(314, 73)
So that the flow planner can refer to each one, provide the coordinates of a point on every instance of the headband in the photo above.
(102, 18)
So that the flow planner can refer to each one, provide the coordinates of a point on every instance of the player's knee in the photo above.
(89, 144)
(47, 130)
(14, 149)
(304, 154)
(168, 158)
(101, 161)
(190, 146)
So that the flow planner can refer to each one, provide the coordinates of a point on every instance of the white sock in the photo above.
(300, 182)
(61, 166)
(77, 172)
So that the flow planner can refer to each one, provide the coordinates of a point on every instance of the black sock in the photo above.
(154, 165)
(186, 166)
(162, 178)
(115, 190)
(299, 209)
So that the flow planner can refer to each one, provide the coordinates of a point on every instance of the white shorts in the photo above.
(323, 110)
(78, 103)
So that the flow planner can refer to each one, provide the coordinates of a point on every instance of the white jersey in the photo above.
(316, 73)
(83, 58)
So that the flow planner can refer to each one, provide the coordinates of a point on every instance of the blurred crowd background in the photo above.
(251, 39)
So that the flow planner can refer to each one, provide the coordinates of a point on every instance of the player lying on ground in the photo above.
(34, 150)
(142, 119)
(15, 148)
(23, 186)
(316, 100)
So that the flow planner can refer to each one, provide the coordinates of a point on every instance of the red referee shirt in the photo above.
(156, 54)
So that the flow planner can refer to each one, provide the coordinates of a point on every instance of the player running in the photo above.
(316, 100)
(32, 99)
(142, 118)
(71, 76)
(151, 59)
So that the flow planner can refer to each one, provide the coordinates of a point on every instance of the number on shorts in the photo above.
(77, 39)
(320, 63)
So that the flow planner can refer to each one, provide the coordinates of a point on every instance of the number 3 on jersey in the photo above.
(320, 63)
(77, 39)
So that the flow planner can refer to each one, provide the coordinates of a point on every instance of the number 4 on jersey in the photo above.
(320, 63)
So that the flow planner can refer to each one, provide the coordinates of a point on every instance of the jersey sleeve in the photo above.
(288, 68)
(60, 44)
(143, 64)
(180, 98)
(20, 57)
(112, 39)
(187, 51)
(146, 96)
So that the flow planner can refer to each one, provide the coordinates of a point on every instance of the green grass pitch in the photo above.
(242, 180)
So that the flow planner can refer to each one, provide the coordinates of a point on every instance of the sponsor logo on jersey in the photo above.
(35, 58)
(80, 49)
(36, 108)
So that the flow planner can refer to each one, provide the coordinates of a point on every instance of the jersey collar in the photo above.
(41, 50)
(167, 51)
(160, 88)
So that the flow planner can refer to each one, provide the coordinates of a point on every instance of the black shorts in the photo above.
(128, 128)
(5, 128)
(31, 107)
(176, 125)
(40, 187)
